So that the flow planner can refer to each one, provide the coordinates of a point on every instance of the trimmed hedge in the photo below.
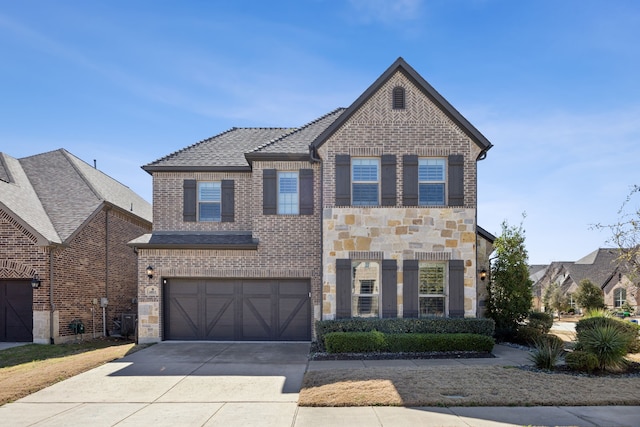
(431, 325)
(581, 361)
(375, 341)
(541, 320)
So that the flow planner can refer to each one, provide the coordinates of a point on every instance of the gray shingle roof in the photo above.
(598, 266)
(223, 150)
(212, 240)
(297, 140)
(55, 193)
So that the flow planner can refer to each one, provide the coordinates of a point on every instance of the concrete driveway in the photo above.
(176, 383)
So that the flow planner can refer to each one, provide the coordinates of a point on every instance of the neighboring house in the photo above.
(368, 211)
(64, 228)
(601, 267)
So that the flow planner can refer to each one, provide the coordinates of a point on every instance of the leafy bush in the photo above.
(547, 350)
(608, 343)
(540, 320)
(581, 361)
(406, 325)
(526, 335)
(374, 341)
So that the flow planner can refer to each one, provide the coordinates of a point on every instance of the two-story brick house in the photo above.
(366, 211)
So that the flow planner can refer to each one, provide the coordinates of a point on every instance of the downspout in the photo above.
(51, 303)
(481, 156)
(313, 157)
(106, 269)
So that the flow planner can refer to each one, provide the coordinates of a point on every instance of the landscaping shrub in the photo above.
(406, 325)
(608, 343)
(374, 341)
(547, 351)
(581, 361)
(630, 330)
(526, 335)
(540, 320)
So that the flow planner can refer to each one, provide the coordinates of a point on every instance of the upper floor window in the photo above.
(431, 289)
(431, 182)
(619, 297)
(365, 288)
(209, 201)
(398, 98)
(365, 182)
(288, 193)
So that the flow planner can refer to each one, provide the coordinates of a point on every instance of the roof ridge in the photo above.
(84, 178)
(295, 130)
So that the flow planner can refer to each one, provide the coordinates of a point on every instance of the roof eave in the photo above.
(151, 169)
(291, 157)
(245, 246)
(427, 89)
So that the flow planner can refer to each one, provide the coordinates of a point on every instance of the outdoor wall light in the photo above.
(35, 282)
(150, 272)
(483, 274)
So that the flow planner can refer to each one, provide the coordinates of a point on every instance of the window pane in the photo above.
(431, 195)
(365, 195)
(209, 211)
(431, 306)
(288, 193)
(209, 191)
(365, 288)
(431, 170)
(432, 278)
(364, 170)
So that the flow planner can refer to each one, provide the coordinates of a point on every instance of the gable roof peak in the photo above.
(400, 65)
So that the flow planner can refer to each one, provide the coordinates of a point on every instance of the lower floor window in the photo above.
(365, 288)
(431, 289)
(619, 297)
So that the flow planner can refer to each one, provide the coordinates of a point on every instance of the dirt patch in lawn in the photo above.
(464, 386)
(21, 379)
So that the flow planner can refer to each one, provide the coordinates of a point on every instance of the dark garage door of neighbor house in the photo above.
(16, 311)
(237, 310)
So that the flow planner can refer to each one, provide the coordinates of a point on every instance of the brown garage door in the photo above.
(237, 310)
(16, 311)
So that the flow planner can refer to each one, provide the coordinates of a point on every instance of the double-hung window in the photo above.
(288, 193)
(431, 182)
(209, 201)
(431, 289)
(365, 182)
(365, 286)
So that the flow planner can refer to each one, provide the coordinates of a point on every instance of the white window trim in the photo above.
(378, 182)
(297, 197)
(207, 202)
(444, 179)
(445, 290)
(378, 295)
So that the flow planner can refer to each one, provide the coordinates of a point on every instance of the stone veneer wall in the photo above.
(398, 233)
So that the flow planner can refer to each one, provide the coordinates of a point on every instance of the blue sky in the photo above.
(554, 85)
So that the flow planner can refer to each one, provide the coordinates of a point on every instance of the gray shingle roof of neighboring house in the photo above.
(54, 193)
(224, 150)
(599, 267)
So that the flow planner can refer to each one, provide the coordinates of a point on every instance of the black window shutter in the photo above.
(269, 192)
(306, 191)
(343, 180)
(189, 206)
(389, 288)
(343, 288)
(456, 288)
(410, 269)
(228, 200)
(456, 180)
(388, 180)
(409, 180)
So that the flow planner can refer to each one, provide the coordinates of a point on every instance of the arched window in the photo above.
(619, 297)
(398, 98)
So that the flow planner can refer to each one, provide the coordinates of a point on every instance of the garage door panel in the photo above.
(238, 309)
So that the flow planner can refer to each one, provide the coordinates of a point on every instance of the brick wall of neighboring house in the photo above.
(88, 269)
(399, 232)
(632, 292)
(289, 245)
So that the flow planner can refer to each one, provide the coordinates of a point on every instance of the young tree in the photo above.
(555, 299)
(589, 296)
(509, 293)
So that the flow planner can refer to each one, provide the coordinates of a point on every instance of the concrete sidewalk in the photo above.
(257, 384)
